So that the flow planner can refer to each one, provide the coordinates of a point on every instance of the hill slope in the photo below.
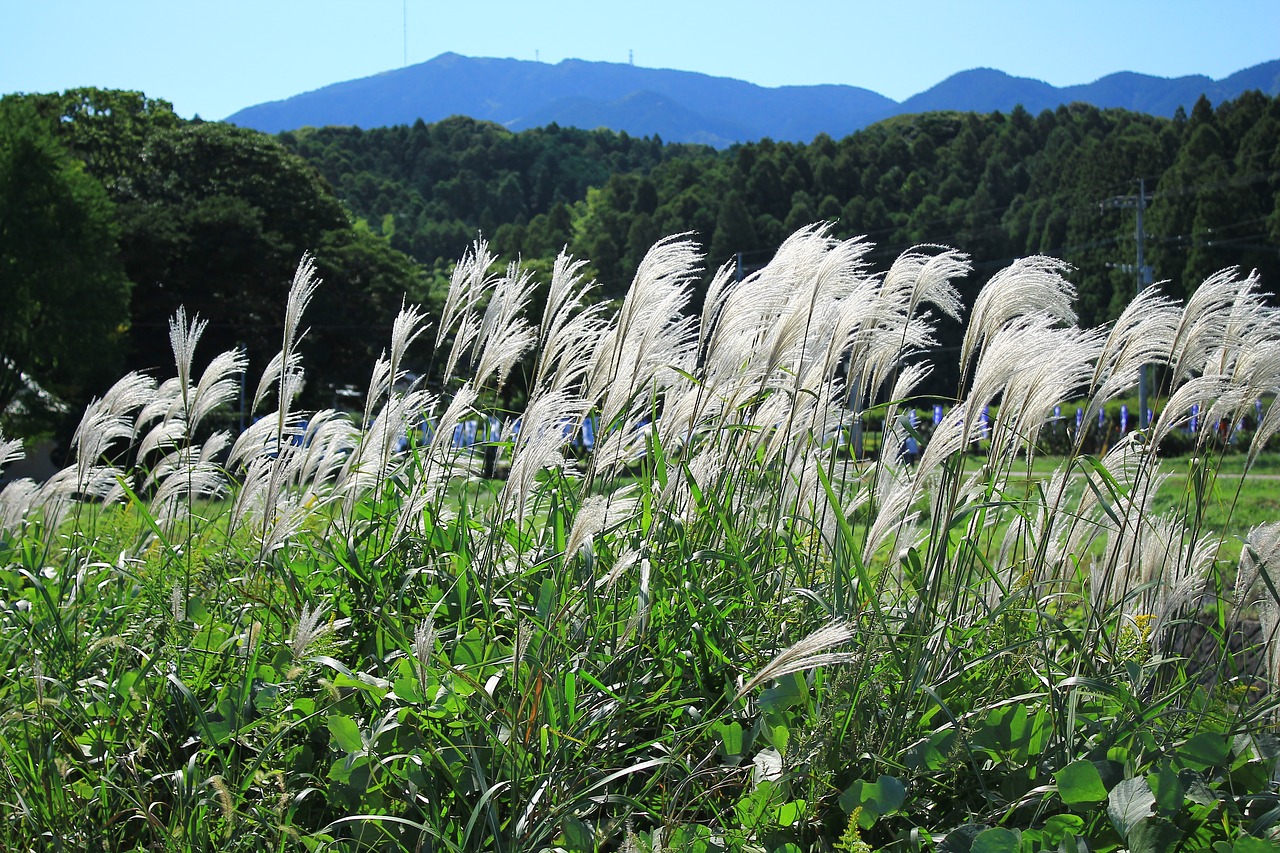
(682, 106)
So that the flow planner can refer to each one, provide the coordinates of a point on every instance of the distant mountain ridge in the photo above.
(685, 106)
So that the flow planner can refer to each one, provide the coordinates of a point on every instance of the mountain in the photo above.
(683, 106)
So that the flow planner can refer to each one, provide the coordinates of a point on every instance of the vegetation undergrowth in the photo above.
(717, 631)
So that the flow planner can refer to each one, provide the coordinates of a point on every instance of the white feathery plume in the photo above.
(165, 404)
(468, 330)
(811, 651)
(310, 628)
(598, 513)
(1268, 426)
(1261, 554)
(895, 492)
(566, 339)
(10, 450)
(1056, 363)
(722, 286)
(1203, 326)
(505, 335)
(651, 337)
(281, 365)
(638, 624)
(926, 278)
(468, 283)
(218, 385)
(424, 645)
(949, 437)
(539, 446)
(1142, 335)
(301, 289)
(183, 338)
(1033, 285)
(330, 438)
(565, 293)
(1203, 391)
(1250, 323)
(460, 406)
(375, 457)
(17, 499)
(624, 562)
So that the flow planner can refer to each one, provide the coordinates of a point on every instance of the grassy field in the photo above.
(715, 634)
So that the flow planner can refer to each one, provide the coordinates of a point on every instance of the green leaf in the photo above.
(1129, 804)
(1249, 844)
(346, 734)
(878, 798)
(1154, 835)
(1059, 826)
(996, 840)
(789, 692)
(1168, 791)
(789, 813)
(1079, 782)
(730, 738)
(1205, 750)
(577, 835)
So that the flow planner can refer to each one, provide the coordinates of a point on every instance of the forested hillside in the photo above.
(999, 185)
(117, 212)
(216, 217)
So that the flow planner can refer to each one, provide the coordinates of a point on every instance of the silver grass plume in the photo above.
(919, 278)
(650, 335)
(10, 450)
(1142, 335)
(1261, 555)
(812, 651)
(468, 283)
(375, 457)
(310, 628)
(505, 335)
(184, 335)
(284, 372)
(1202, 329)
(539, 446)
(1056, 363)
(1257, 584)
(569, 332)
(1033, 285)
(1204, 391)
(597, 514)
(424, 644)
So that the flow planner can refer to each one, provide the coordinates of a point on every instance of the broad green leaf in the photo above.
(1154, 835)
(996, 840)
(346, 734)
(730, 738)
(1205, 750)
(1249, 844)
(1168, 791)
(1059, 826)
(789, 692)
(1129, 804)
(1079, 782)
(881, 797)
(577, 835)
(789, 813)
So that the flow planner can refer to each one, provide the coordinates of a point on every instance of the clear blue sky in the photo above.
(213, 58)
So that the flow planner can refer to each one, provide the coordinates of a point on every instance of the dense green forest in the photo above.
(216, 217)
(997, 185)
(117, 211)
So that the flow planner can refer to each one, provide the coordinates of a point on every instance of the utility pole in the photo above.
(1145, 275)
